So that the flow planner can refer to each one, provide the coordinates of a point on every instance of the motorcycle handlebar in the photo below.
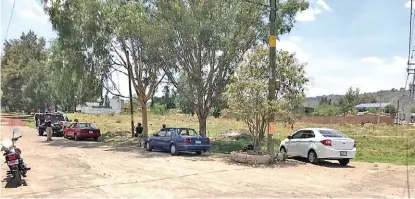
(15, 139)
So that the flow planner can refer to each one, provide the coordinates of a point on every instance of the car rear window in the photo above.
(56, 118)
(86, 125)
(188, 132)
(332, 134)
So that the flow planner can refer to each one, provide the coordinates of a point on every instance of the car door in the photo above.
(294, 143)
(68, 129)
(306, 142)
(157, 140)
(75, 129)
(166, 139)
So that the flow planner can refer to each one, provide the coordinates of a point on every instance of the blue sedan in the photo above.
(176, 140)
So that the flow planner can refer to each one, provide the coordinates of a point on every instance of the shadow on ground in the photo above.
(322, 163)
(134, 151)
(12, 184)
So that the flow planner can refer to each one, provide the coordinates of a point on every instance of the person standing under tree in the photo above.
(139, 133)
(48, 125)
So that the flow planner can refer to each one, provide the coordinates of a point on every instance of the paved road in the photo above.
(69, 169)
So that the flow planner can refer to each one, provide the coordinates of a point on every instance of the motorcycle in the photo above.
(17, 168)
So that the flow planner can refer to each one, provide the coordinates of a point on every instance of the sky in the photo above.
(358, 43)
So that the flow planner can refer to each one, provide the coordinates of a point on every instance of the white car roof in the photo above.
(316, 129)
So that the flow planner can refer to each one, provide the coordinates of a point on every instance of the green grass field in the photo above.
(378, 143)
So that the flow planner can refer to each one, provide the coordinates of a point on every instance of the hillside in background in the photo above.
(391, 96)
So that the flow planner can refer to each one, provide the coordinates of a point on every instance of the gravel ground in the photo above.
(71, 169)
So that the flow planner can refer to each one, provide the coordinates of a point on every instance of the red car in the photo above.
(81, 130)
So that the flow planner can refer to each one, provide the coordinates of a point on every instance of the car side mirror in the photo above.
(290, 137)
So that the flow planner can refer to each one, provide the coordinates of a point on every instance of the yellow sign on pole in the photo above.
(272, 41)
(272, 128)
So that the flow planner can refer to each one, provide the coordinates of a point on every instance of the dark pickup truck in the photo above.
(57, 119)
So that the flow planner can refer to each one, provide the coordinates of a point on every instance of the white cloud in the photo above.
(292, 45)
(334, 74)
(372, 60)
(29, 14)
(30, 10)
(323, 4)
(308, 15)
(316, 8)
(408, 4)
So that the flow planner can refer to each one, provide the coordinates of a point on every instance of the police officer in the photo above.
(138, 133)
(48, 125)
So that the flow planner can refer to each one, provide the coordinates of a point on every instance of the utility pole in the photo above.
(130, 92)
(380, 106)
(272, 70)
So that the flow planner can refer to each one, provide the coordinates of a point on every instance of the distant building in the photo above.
(114, 105)
(365, 107)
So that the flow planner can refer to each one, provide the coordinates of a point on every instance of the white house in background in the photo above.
(115, 106)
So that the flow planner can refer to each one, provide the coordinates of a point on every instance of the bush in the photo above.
(221, 146)
(158, 109)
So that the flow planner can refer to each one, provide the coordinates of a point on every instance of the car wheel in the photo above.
(312, 157)
(174, 150)
(145, 145)
(40, 132)
(75, 137)
(149, 147)
(344, 162)
(198, 152)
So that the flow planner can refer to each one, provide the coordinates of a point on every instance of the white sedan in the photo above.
(318, 144)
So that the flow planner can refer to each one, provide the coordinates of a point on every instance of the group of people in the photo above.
(49, 131)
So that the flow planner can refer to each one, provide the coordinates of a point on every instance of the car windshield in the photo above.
(55, 118)
(188, 132)
(332, 134)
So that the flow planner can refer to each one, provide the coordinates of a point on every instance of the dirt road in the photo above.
(69, 169)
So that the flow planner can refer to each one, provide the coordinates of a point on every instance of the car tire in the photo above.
(344, 162)
(198, 152)
(145, 145)
(312, 157)
(149, 147)
(75, 137)
(174, 150)
(40, 132)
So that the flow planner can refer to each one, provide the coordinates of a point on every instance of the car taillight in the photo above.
(208, 141)
(187, 140)
(326, 142)
(354, 145)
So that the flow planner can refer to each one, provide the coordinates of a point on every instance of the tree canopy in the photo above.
(247, 94)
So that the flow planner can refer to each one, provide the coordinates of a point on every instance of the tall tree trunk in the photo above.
(144, 114)
(202, 123)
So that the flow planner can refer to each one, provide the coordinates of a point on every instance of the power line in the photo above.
(10, 19)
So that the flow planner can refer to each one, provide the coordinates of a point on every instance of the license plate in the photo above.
(198, 142)
(91, 132)
(13, 162)
(343, 153)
